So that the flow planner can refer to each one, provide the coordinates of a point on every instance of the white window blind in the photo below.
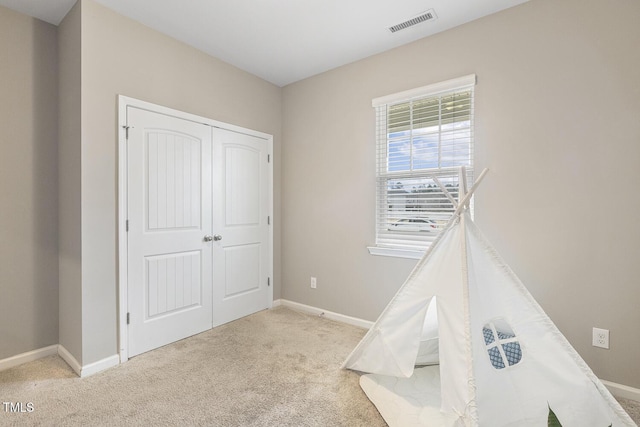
(421, 133)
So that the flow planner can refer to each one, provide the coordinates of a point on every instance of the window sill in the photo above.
(396, 252)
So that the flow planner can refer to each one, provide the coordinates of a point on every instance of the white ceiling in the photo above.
(283, 41)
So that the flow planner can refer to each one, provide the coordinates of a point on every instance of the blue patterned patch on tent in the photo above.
(513, 352)
(504, 335)
(488, 335)
(495, 357)
(495, 334)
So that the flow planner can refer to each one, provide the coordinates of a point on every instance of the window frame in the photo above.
(413, 245)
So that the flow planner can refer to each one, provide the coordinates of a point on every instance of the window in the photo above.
(421, 134)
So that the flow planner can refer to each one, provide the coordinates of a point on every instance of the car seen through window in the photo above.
(414, 224)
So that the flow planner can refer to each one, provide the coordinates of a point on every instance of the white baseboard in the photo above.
(91, 368)
(71, 361)
(29, 356)
(620, 390)
(100, 365)
(365, 324)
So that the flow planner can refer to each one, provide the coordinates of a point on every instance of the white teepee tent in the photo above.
(496, 358)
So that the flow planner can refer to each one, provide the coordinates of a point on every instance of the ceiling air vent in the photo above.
(429, 15)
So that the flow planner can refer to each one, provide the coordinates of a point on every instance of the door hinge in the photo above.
(127, 225)
(268, 220)
(268, 281)
(127, 318)
(126, 130)
(268, 158)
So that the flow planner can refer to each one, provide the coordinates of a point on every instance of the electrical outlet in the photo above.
(314, 282)
(601, 338)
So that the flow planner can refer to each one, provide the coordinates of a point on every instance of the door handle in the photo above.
(208, 238)
(217, 237)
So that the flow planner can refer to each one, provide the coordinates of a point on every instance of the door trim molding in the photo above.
(125, 102)
(123, 250)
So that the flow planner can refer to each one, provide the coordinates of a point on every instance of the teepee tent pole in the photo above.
(465, 200)
(463, 179)
(471, 384)
(467, 196)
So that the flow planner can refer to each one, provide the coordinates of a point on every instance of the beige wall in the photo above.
(557, 108)
(28, 177)
(120, 56)
(69, 184)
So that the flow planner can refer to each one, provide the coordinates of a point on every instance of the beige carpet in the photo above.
(274, 368)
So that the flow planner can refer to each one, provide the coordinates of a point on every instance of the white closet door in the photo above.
(170, 224)
(241, 207)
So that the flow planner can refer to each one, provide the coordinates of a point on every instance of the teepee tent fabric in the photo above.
(502, 361)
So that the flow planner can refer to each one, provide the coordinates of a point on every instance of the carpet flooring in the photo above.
(274, 368)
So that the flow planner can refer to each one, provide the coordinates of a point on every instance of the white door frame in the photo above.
(123, 103)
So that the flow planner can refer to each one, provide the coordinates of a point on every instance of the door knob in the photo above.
(208, 238)
(217, 237)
